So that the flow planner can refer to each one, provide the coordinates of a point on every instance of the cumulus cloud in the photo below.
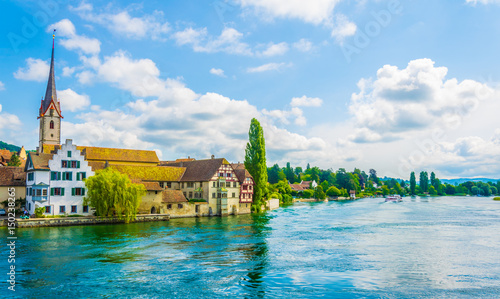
(274, 49)
(35, 70)
(414, 98)
(343, 28)
(273, 66)
(229, 41)
(9, 123)
(148, 26)
(72, 41)
(217, 72)
(303, 45)
(305, 101)
(72, 101)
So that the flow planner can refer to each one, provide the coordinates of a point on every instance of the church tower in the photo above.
(50, 111)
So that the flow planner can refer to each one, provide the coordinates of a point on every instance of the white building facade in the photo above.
(60, 188)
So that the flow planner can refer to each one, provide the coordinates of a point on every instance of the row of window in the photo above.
(228, 175)
(196, 194)
(222, 195)
(70, 164)
(67, 176)
(55, 192)
(247, 187)
(179, 206)
(224, 184)
(62, 209)
(169, 184)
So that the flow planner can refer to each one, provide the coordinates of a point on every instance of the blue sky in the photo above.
(398, 86)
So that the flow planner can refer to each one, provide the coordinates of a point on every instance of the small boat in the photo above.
(394, 198)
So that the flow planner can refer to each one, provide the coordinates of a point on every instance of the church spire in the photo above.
(50, 93)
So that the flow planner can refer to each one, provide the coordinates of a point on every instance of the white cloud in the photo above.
(9, 124)
(217, 72)
(485, 2)
(72, 101)
(343, 28)
(284, 116)
(122, 23)
(229, 41)
(305, 101)
(416, 98)
(275, 49)
(303, 45)
(35, 70)
(273, 66)
(2, 86)
(73, 41)
(312, 11)
(68, 71)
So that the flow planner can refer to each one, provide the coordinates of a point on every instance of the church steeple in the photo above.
(50, 111)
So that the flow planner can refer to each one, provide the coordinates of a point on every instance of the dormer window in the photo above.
(51, 123)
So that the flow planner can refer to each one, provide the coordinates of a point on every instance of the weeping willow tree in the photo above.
(112, 193)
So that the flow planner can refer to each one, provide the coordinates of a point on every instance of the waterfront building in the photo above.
(12, 177)
(246, 187)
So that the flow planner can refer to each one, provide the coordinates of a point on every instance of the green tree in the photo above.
(424, 181)
(290, 176)
(373, 176)
(14, 160)
(298, 170)
(110, 192)
(432, 190)
(308, 193)
(475, 190)
(319, 193)
(275, 174)
(413, 183)
(333, 192)
(255, 161)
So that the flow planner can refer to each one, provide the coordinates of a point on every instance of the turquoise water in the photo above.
(424, 248)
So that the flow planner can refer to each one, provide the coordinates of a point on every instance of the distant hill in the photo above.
(460, 181)
(10, 147)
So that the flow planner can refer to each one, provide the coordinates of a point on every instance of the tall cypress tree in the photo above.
(255, 161)
(413, 183)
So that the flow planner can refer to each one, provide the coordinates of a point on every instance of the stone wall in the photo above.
(68, 221)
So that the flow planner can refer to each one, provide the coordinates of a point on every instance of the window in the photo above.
(62, 209)
(184, 194)
(182, 185)
(38, 192)
(31, 176)
(55, 176)
(73, 164)
(78, 191)
(221, 174)
(213, 195)
(69, 154)
(51, 125)
(80, 176)
(162, 185)
(44, 192)
(214, 185)
(219, 195)
(169, 185)
(67, 176)
(64, 164)
(228, 175)
(235, 184)
(190, 194)
(234, 194)
(169, 206)
(85, 209)
(179, 206)
(222, 185)
(245, 187)
(57, 191)
(190, 184)
(47, 209)
(197, 209)
(250, 187)
(73, 209)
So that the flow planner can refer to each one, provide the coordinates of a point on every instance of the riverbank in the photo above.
(88, 220)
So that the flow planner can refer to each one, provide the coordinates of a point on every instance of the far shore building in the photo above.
(308, 184)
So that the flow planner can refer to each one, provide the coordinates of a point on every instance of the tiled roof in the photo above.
(40, 161)
(118, 154)
(296, 187)
(241, 172)
(306, 184)
(12, 176)
(152, 186)
(144, 173)
(198, 170)
(173, 196)
(185, 160)
(5, 155)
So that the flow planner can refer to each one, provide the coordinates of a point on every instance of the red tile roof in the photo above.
(173, 196)
(296, 187)
(198, 170)
(12, 176)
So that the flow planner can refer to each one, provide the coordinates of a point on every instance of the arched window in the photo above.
(51, 124)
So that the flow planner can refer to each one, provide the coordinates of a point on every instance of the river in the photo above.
(446, 247)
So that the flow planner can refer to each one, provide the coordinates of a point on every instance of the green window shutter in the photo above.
(51, 191)
(83, 191)
(73, 191)
(70, 176)
(59, 176)
(77, 164)
(77, 176)
(62, 191)
(64, 176)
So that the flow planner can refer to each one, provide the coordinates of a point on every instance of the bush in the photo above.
(197, 200)
(496, 198)
(39, 212)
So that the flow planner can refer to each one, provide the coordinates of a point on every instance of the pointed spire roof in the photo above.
(50, 93)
